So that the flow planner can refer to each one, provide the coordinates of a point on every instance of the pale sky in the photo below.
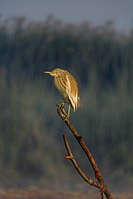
(74, 11)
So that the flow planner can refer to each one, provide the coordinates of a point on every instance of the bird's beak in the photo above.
(50, 73)
(47, 72)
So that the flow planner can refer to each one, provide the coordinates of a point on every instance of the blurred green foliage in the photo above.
(30, 130)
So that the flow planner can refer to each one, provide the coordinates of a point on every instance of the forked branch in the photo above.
(72, 158)
(100, 181)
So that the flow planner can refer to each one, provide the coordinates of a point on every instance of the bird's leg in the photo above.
(68, 113)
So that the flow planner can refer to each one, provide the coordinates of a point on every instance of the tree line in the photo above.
(101, 60)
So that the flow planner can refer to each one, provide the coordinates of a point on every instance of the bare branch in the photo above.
(103, 187)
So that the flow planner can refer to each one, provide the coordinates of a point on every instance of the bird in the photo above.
(67, 85)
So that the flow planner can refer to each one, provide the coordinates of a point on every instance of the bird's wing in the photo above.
(63, 85)
(68, 84)
(69, 89)
(73, 92)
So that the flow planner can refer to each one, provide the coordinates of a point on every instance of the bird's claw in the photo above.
(61, 105)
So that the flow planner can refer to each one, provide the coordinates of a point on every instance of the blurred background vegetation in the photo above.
(31, 146)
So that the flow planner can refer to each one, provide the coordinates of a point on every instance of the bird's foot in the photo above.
(66, 117)
(61, 107)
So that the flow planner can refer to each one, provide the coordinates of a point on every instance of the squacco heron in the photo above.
(67, 86)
